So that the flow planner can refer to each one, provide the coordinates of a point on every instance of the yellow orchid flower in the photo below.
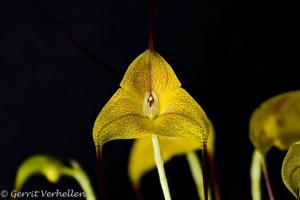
(141, 159)
(150, 102)
(291, 170)
(52, 168)
(274, 123)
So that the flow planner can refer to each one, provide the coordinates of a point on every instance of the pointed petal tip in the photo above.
(149, 72)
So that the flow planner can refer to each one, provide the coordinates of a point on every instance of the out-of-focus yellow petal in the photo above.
(291, 169)
(141, 159)
(52, 168)
(276, 122)
(150, 101)
(39, 165)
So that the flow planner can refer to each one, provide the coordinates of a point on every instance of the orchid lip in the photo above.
(151, 105)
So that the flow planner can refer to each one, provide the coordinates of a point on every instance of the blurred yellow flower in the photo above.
(52, 168)
(39, 165)
(276, 122)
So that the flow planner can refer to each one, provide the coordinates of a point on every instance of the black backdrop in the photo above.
(229, 55)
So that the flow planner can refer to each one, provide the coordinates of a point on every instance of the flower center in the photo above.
(151, 105)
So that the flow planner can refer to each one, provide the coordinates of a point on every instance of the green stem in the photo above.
(80, 176)
(160, 167)
(196, 172)
(255, 174)
(197, 175)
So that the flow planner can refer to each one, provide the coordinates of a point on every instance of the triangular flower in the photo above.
(150, 101)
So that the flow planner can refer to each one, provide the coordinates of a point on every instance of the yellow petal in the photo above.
(39, 165)
(276, 122)
(141, 158)
(149, 72)
(291, 169)
(150, 101)
(52, 168)
(120, 118)
(181, 116)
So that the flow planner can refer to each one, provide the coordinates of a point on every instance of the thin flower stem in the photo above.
(196, 171)
(214, 177)
(204, 170)
(267, 178)
(138, 193)
(100, 166)
(255, 174)
(160, 167)
(85, 50)
(81, 177)
(151, 24)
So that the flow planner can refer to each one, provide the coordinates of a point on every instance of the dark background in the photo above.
(229, 55)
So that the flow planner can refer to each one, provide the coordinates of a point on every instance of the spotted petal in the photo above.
(291, 170)
(149, 72)
(121, 118)
(150, 101)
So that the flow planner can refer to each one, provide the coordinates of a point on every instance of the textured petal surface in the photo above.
(181, 115)
(276, 122)
(120, 118)
(149, 72)
(150, 101)
(291, 169)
